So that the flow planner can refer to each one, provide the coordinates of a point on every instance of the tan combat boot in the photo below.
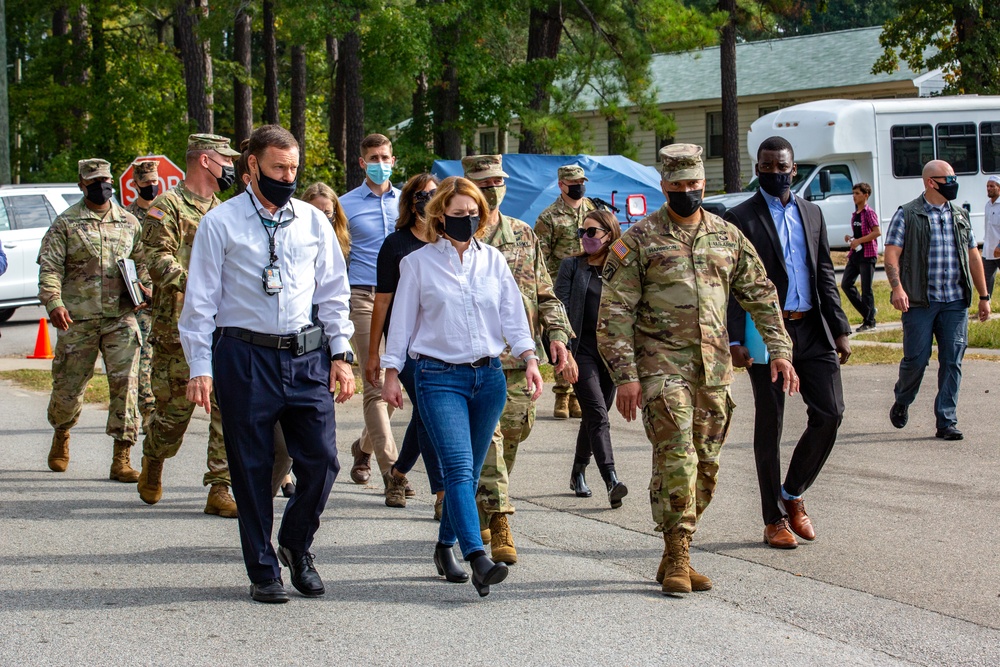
(59, 452)
(395, 490)
(150, 487)
(574, 407)
(220, 502)
(501, 541)
(676, 580)
(121, 463)
(699, 582)
(561, 411)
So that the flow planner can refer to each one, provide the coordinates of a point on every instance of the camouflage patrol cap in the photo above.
(478, 167)
(681, 162)
(144, 170)
(571, 172)
(94, 168)
(211, 142)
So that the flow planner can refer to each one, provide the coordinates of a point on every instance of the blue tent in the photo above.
(532, 183)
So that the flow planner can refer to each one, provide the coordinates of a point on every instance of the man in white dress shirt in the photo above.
(260, 262)
(991, 224)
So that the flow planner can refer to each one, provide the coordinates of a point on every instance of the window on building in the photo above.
(763, 111)
(989, 146)
(956, 145)
(617, 137)
(713, 132)
(912, 148)
(661, 141)
(487, 143)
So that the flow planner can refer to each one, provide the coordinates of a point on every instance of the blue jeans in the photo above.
(417, 442)
(460, 406)
(949, 324)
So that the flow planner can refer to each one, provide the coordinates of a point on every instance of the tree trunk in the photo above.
(730, 102)
(196, 56)
(100, 131)
(242, 92)
(419, 128)
(80, 32)
(334, 101)
(60, 34)
(4, 106)
(544, 34)
(349, 69)
(270, 66)
(502, 140)
(299, 93)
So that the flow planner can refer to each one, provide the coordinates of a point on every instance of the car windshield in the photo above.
(804, 170)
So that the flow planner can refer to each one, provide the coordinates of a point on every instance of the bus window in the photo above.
(989, 143)
(912, 147)
(956, 145)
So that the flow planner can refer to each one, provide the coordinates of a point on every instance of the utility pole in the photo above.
(4, 105)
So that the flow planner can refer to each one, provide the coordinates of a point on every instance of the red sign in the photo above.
(170, 175)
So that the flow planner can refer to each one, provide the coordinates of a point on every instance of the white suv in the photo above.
(26, 211)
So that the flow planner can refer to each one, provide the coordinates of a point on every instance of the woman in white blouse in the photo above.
(457, 307)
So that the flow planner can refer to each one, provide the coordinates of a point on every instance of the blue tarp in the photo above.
(532, 183)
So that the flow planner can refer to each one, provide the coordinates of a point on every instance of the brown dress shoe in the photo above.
(779, 535)
(361, 471)
(798, 520)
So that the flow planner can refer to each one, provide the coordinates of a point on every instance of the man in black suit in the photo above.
(789, 234)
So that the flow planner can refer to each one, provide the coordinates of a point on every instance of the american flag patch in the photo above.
(155, 213)
(620, 249)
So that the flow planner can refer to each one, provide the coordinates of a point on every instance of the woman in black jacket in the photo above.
(579, 288)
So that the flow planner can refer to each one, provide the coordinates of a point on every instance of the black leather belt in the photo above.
(364, 288)
(263, 340)
(478, 363)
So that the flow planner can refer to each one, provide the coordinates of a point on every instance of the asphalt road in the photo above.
(904, 570)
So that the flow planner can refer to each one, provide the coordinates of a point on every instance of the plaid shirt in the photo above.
(944, 275)
(869, 221)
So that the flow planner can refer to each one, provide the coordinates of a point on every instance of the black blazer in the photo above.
(571, 288)
(753, 218)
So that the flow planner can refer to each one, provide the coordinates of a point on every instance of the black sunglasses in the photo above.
(947, 179)
(590, 232)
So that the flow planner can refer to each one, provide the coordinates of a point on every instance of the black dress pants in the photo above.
(595, 390)
(864, 303)
(256, 387)
(819, 372)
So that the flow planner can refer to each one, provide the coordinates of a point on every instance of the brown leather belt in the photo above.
(795, 314)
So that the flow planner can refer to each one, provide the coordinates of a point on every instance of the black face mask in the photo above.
(684, 204)
(99, 192)
(775, 185)
(948, 190)
(576, 191)
(420, 200)
(228, 178)
(274, 191)
(149, 192)
(462, 227)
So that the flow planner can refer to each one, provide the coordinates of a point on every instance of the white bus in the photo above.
(884, 143)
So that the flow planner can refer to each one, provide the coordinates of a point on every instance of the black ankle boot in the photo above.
(616, 490)
(578, 483)
(485, 573)
(447, 565)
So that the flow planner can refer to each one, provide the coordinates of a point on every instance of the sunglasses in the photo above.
(423, 195)
(591, 232)
(947, 179)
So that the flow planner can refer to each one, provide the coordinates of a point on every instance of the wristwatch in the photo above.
(347, 357)
(984, 298)
(530, 357)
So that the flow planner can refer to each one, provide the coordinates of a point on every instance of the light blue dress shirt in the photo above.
(224, 286)
(370, 219)
(792, 235)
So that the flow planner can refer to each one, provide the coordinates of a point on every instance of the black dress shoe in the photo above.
(305, 578)
(288, 490)
(447, 565)
(486, 573)
(899, 415)
(616, 490)
(271, 591)
(577, 481)
(949, 433)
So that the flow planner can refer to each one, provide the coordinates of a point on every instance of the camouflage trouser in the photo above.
(561, 386)
(146, 400)
(117, 339)
(514, 427)
(687, 424)
(173, 412)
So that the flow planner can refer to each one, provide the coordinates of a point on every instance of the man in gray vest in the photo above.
(932, 263)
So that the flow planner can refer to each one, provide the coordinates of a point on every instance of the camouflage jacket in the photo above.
(663, 308)
(78, 262)
(167, 236)
(545, 311)
(556, 229)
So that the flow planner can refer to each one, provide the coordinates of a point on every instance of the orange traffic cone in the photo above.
(43, 346)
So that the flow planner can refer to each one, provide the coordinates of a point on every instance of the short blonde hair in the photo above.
(339, 218)
(448, 190)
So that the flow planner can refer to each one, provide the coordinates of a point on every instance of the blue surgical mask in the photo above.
(378, 172)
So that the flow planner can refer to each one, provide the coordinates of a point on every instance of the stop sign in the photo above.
(170, 175)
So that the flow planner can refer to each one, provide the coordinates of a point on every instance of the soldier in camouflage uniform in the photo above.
(168, 234)
(662, 332)
(519, 245)
(85, 294)
(557, 229)
(147, 184)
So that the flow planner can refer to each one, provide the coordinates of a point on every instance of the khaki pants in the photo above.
(376, 438)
